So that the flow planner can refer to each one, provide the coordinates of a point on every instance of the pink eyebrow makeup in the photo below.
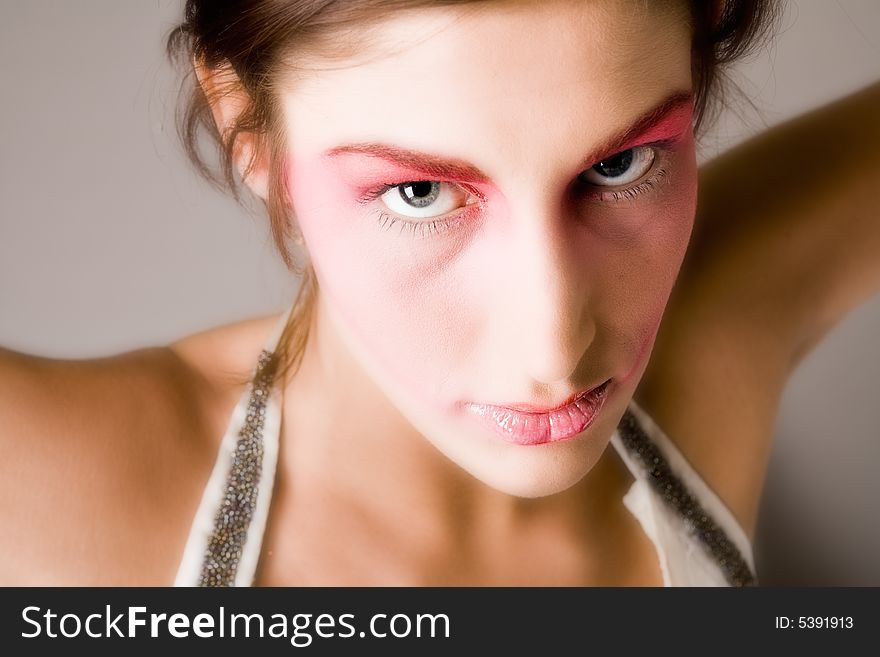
(422, 165)
(664, 121)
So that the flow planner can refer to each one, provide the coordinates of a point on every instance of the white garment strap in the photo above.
(190, 568)
(683, 562)
(697, 485)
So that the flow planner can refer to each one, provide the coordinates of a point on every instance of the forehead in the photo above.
(506, 78)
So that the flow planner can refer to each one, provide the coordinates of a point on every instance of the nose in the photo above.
(549, 288)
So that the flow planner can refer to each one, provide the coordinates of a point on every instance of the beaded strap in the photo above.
(698, 521)
(234, 515)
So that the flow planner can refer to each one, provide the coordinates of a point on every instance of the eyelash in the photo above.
(441, 224)
(628, 193)
(421, 228)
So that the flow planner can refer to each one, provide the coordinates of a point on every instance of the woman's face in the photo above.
(496, 201)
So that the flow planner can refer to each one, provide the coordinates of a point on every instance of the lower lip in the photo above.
(524, 428)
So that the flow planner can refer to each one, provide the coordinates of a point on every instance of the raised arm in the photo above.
(786, 242)
(790, 221)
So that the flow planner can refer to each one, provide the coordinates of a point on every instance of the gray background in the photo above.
(109, 242)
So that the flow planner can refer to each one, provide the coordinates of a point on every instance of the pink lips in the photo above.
(524, 426)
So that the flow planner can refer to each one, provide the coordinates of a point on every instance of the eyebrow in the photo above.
(435, 166)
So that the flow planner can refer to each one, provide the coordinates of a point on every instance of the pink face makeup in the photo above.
(374, 162)
(366, 164)
(668, 120)
(511, 329)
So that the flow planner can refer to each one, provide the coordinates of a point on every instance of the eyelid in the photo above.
(422, 227)
(427, 226)
(662, 151)
(369, 195)
(661, 145)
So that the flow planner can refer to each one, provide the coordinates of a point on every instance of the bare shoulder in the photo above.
(222, 355)
(105, 459)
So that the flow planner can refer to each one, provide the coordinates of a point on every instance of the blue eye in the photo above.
(424, 199)
(419, 194)
(622, 168)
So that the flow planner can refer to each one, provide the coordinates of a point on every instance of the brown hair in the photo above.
(254, 38)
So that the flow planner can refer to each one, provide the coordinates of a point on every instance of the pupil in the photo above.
(420, 194)
(616, 165)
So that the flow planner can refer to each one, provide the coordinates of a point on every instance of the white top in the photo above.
(684, 559)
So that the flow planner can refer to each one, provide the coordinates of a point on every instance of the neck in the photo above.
(349, 455)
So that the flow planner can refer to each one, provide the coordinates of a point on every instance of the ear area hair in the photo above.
(230, 105)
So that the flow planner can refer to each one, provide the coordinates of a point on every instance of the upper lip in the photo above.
(532, 408)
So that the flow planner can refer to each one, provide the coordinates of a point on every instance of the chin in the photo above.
(532, 471)
(529, 471)
(525, 471)
(535, 482)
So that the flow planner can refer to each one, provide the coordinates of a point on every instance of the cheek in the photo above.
(642, 263)
(672, 222)
(393, 294)
(406, 304)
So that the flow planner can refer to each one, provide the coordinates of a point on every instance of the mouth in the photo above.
(524, 424)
